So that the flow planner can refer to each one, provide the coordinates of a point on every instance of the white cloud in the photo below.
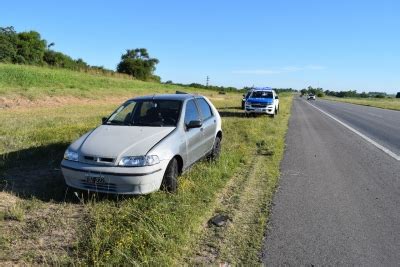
(279, 70)
(291, 68)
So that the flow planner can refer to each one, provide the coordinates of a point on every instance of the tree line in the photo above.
(349, 93)
(207, 87)
(29, 48)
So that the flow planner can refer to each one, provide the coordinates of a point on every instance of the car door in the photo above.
(209, 125)
(194, 136)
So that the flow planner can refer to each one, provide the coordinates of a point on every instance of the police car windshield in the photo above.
(262, 94)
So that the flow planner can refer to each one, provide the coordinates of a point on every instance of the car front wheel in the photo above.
(170, 179)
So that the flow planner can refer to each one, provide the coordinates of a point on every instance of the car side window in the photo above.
(191, 112)
(204, 108)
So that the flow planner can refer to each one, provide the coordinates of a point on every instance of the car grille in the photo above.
(100, 160)
(110, 187)
(258, 105)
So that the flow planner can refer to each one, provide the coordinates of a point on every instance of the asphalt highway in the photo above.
(381, 125)
(338, 202)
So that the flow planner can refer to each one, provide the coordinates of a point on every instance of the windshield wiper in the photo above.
(114, 123)
(147, 124)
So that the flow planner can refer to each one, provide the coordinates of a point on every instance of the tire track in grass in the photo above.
(244, 201)
(207, 248)
(242, 242)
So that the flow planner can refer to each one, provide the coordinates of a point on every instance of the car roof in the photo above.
(181, 97)
(262, 88)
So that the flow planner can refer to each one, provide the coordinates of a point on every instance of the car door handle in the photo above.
(201, 129)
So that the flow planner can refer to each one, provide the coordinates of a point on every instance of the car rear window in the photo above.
(205, 109)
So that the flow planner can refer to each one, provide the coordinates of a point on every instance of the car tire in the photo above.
(216, 150)
(170, 179)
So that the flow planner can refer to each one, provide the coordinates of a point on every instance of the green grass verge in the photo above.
(386, 103)
(36, 82)
(157, 229)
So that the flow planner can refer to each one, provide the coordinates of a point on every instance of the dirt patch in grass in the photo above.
(39, 221)
(7, 201)
(40, 233)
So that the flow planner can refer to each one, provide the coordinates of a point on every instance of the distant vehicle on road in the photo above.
(144, 145)
(262, 101)
(311, 97)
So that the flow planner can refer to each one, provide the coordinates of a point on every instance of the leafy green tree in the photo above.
(398, 95)
(58, 59)
(8, 41)
(138, 63)
(30, 48)
(81, 64)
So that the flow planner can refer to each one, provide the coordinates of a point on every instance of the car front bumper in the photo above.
(267, 110)
(113, 179)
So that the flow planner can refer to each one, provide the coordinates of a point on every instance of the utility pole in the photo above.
(207, 80)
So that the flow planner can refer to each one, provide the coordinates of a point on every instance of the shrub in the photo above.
(138, 63)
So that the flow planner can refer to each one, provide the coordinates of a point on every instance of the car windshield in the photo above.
(156, 113)
(262, 94)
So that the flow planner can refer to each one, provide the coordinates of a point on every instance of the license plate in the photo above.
(94, 178)
(259, 110)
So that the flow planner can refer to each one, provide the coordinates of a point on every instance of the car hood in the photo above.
(260, 100)
(116, 141)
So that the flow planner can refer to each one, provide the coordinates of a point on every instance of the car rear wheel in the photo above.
(170, 179)
(216, 151)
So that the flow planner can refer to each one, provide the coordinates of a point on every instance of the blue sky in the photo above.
(337, 45)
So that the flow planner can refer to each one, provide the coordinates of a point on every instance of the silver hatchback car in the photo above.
(144, 145)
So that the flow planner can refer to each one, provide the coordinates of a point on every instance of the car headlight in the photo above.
(71, 155)
(139, 161)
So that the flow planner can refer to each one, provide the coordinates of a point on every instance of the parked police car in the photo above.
(262, 100)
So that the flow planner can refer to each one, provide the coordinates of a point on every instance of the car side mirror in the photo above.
(276, 97)
(103, 120)
(194, 124)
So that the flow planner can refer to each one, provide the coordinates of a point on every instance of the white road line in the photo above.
(384, 149)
